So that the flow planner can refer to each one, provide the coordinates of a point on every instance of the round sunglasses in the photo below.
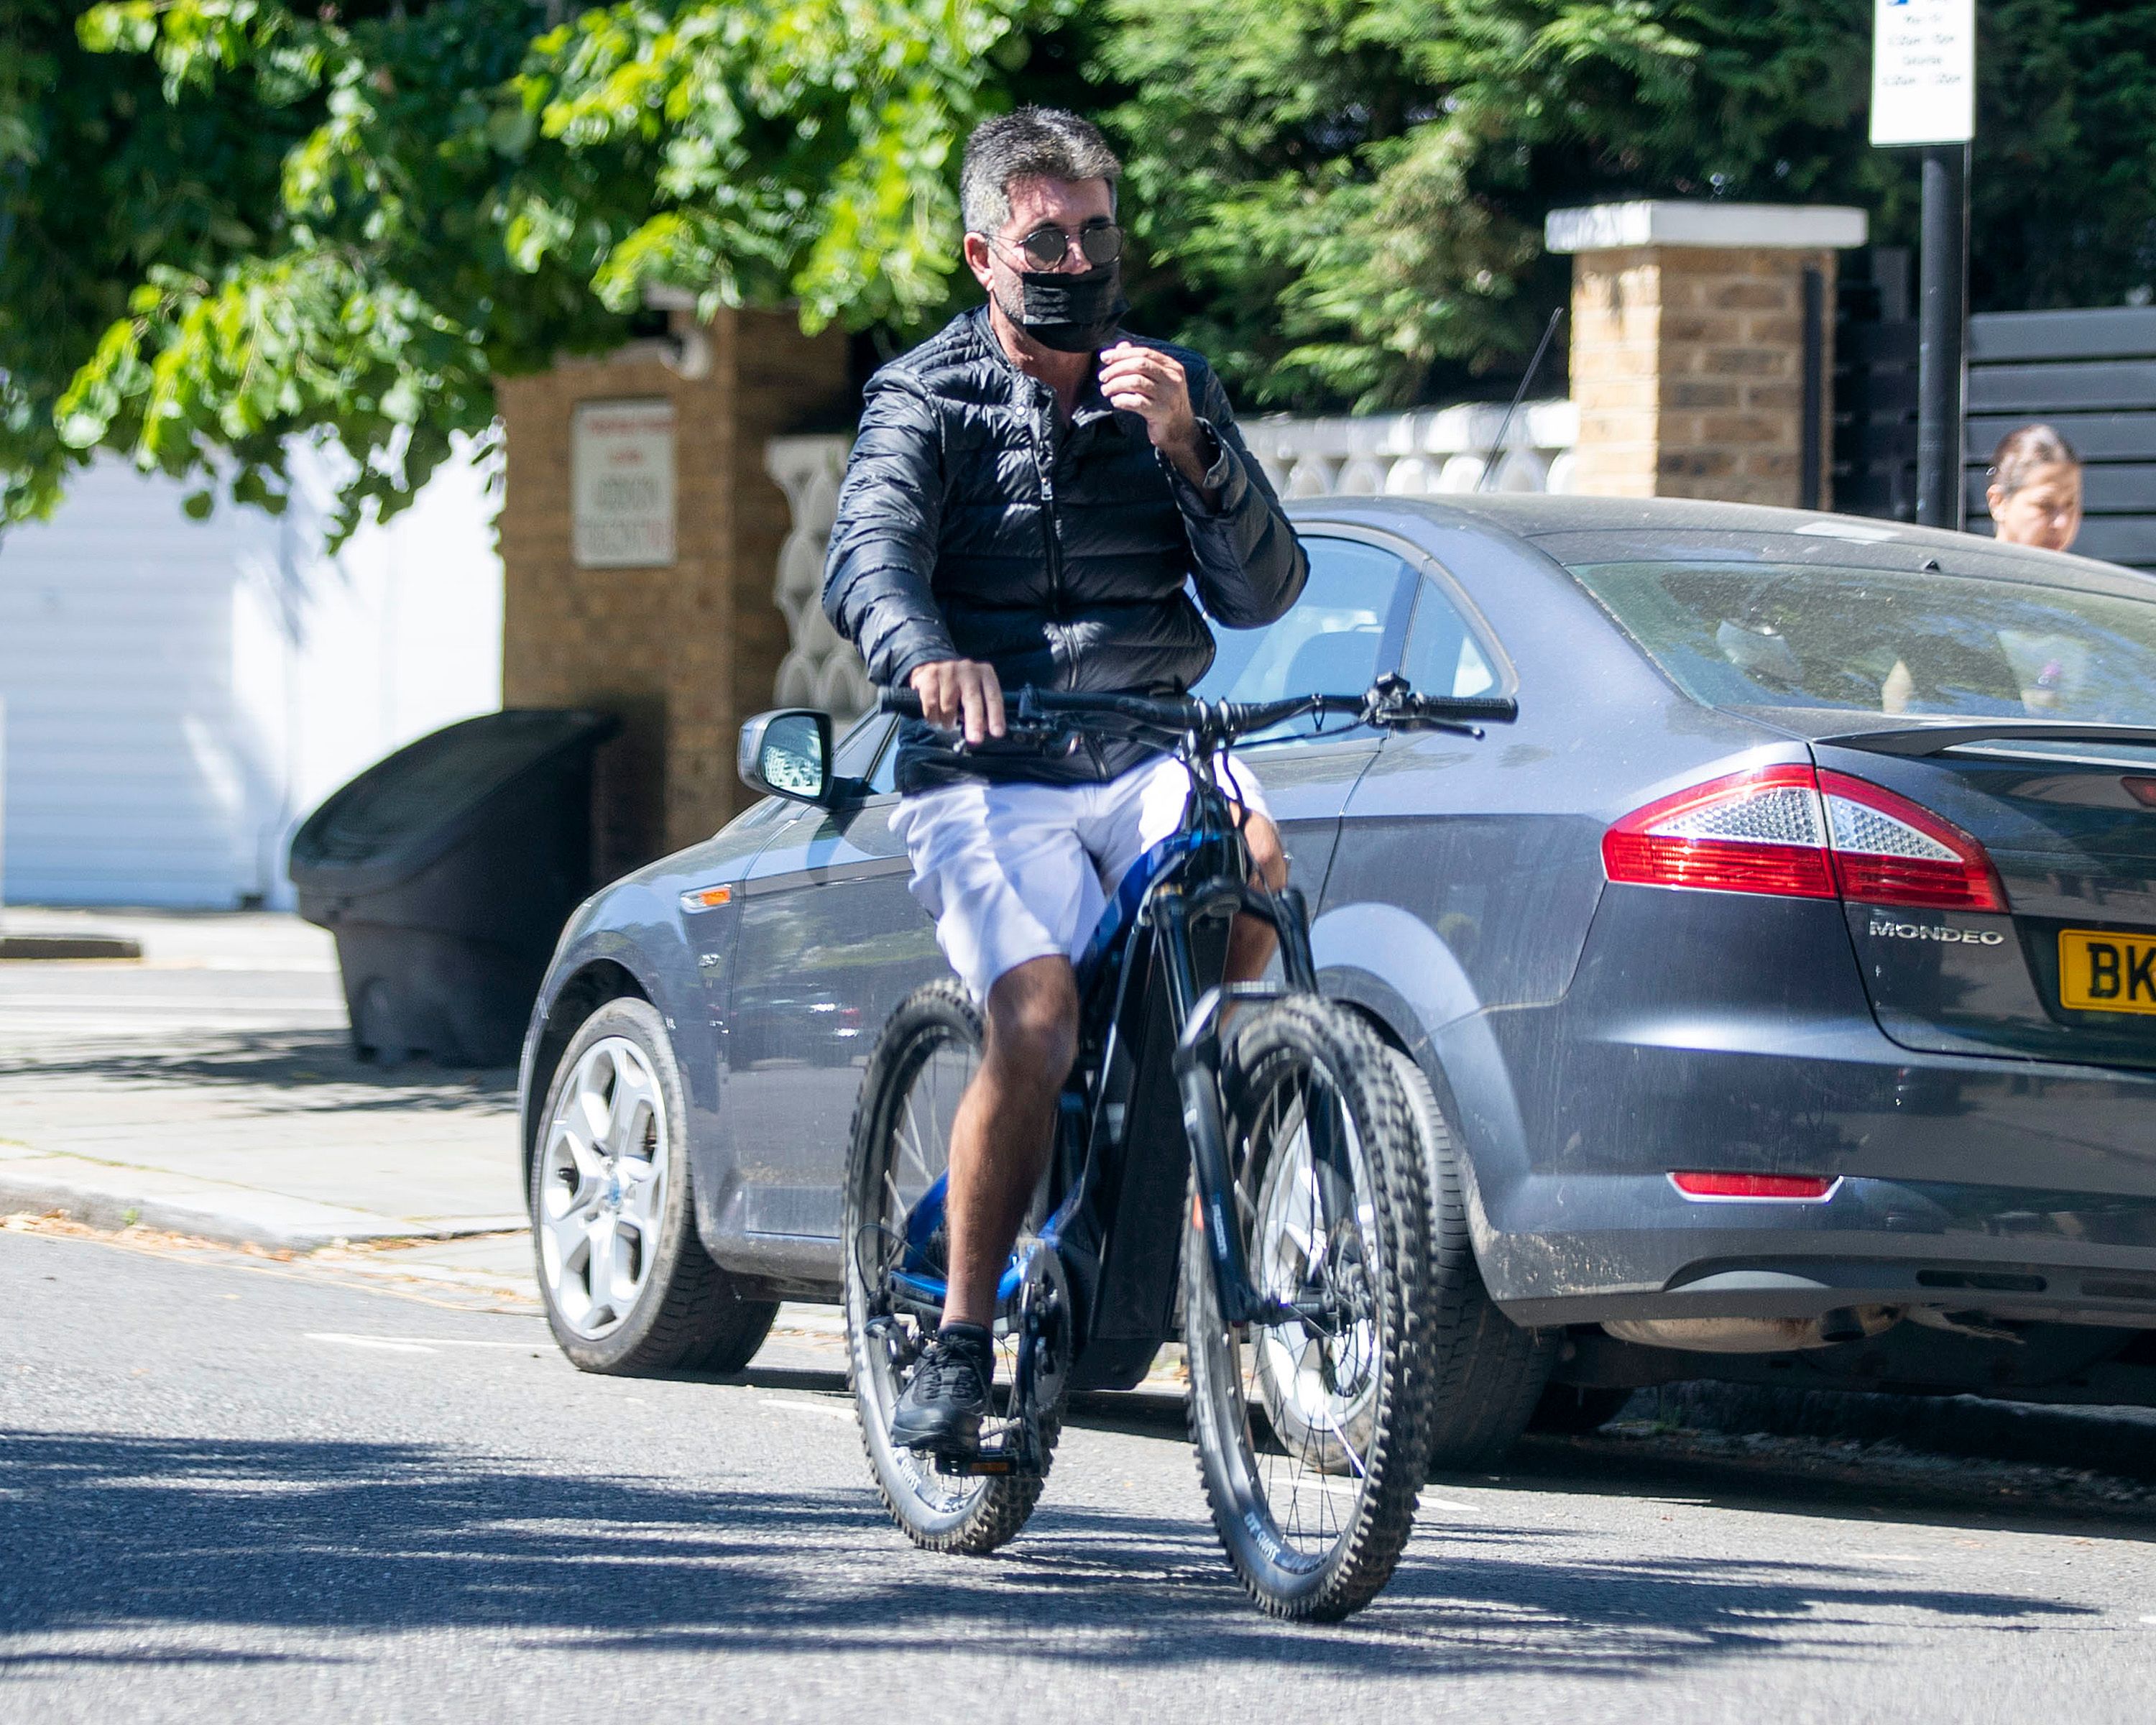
(1048, 246)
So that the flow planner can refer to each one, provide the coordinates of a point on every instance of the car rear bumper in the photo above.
(2056, 1216)
(2012, 1186)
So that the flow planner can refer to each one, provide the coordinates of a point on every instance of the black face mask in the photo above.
(1071, 313)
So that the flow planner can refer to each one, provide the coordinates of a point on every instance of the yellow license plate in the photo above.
(2099, 972)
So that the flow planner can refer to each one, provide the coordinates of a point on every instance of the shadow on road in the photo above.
(144, 1535)
(292, 1071)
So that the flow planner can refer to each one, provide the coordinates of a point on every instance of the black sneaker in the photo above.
(944, 1405)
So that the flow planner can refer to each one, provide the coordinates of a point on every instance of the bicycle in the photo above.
(1299, 1235)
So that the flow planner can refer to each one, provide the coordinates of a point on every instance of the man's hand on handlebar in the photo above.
(960, 693)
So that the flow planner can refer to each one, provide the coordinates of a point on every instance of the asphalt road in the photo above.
(242, 1491)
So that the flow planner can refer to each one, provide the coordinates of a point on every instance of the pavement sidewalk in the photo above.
(209, 1088)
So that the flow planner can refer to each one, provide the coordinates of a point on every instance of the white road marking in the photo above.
(172, 1003)
(410, 1344)
(1465, 1509)
(827, 1412)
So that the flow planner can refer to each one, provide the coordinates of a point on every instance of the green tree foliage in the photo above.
(2063, 187)
(1342, 200)
(225, 222)
(102, 181)
(398, 205)
(1351, 192)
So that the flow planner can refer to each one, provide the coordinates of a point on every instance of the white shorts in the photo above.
(1014, 872)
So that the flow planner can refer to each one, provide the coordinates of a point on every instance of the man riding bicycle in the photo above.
(1029, 495)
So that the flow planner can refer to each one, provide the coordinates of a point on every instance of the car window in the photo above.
(857, 748)
(1442, 656)
(883, 780)
(1345, 629)
(866, 753)
(1770, 634)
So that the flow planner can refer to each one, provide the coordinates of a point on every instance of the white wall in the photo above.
(179, 694)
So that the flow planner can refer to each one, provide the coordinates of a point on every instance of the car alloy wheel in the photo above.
(603, 1187)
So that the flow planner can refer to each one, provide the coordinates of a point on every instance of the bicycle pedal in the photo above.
(988, 1465)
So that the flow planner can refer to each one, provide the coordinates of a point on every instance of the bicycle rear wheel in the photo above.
(1312, 1441)
(901, 1138)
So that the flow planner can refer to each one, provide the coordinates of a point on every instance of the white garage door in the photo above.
(179, 693)
(124, 784)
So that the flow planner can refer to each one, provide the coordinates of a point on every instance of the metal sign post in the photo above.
(1923, 92)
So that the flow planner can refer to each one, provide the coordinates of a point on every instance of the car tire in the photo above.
(610, 1178)
(1490, 1371)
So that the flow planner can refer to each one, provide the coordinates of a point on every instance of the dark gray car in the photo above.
(1786, 976)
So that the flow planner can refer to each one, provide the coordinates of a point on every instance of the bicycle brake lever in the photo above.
(1395, 709)
(1037, 733)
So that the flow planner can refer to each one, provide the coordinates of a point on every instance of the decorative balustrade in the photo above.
(1447, 451)
(820, 669)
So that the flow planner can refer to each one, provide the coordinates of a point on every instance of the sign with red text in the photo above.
(621, 484)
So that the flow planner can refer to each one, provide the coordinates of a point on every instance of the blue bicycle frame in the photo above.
(1157, 900)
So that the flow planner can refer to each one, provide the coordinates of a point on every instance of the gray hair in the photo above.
(1027, 144)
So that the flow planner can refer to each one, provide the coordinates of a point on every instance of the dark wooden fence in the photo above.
(2092, 374)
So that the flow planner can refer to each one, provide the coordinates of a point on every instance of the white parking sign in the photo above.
(1923, 72)
(621, 484)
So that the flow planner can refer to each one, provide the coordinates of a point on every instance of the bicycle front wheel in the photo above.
(1312, 1436)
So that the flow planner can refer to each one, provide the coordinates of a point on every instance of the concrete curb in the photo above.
(68, 945)
(102, 1196)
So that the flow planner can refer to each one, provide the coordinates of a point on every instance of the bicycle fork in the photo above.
(1197, 1065)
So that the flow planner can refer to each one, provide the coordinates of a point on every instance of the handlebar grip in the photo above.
(903, 701)
(1502, 708)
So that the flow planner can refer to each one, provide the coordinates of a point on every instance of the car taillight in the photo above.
(1888, 850)
(1760, 831)
(1795, 833)
(1799, 1188)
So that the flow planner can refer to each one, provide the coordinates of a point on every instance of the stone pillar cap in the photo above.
(1670, 222)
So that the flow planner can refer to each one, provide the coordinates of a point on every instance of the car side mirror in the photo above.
(787, 753)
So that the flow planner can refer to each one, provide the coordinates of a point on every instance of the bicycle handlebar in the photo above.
(1391, 704)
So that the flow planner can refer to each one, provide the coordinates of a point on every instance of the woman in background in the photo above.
(2035, 498)
(2036, 489)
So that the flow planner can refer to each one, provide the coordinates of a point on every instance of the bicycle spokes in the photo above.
(1316, 1252)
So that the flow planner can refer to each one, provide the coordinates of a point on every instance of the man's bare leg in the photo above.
(999, 1140)
(1251, 939)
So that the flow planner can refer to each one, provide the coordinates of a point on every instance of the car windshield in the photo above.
(1734, 633)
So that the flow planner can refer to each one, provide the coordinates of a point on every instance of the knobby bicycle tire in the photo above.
(1251, 1461)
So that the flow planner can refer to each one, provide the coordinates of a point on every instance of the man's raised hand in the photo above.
(957, 693)
(1152, 384)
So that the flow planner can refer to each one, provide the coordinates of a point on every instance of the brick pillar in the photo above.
(1689, 346)
(682, 653)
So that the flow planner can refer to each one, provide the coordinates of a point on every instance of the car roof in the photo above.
(1566, 527)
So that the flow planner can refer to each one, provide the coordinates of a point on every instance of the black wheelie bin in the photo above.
(446, 871)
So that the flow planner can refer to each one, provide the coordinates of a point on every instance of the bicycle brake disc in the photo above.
(1044, 1330)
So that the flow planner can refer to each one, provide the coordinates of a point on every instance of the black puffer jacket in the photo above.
(974, 524)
